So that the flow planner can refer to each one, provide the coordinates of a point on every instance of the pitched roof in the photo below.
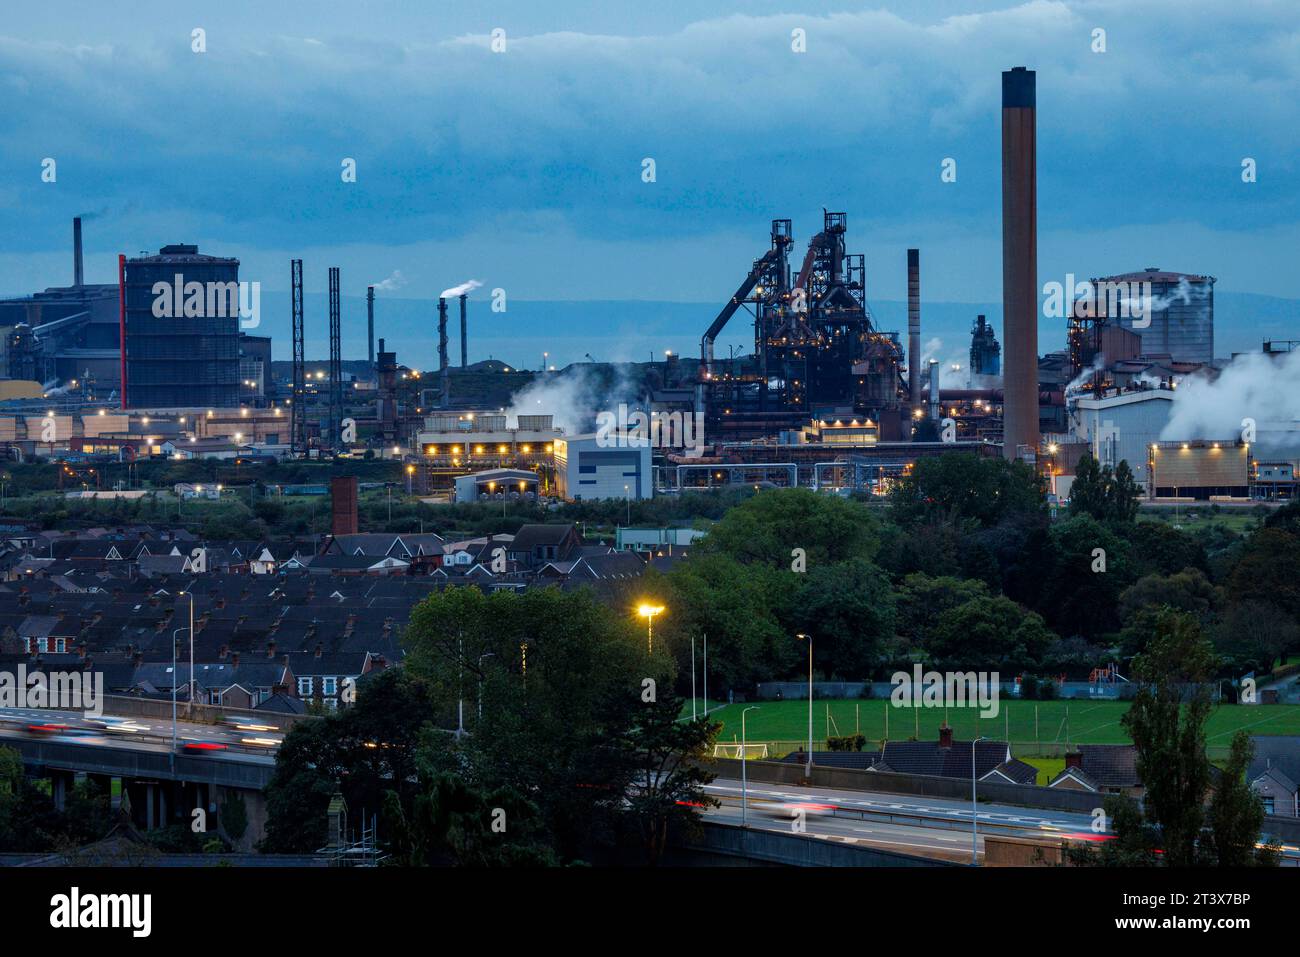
(1281, 751)
(530, 536)
(1015, 771)
(1076, 774)
(927, 757)
(1111, 765)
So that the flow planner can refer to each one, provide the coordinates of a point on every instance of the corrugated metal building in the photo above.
(1181, 321)
(1122, 427)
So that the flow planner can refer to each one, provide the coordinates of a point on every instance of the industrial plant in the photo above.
(159, 363)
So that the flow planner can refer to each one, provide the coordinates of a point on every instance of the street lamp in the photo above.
(190, 705)
(744, 780)
(808, 638)
(175, 632)
(410, 472)
(974, 816)
(627, 493)
(648, 612)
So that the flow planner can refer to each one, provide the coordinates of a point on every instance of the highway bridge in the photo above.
(209, 765)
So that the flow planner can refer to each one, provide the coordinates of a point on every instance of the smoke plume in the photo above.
(1264, 390)
(462, 289)
(395, 281)
(575, 396)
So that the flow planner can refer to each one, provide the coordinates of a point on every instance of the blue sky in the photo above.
(523, 169)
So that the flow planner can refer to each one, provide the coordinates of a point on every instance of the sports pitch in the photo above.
(1045, 728)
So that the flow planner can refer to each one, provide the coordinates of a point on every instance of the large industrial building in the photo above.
(65, 334)
(1180, 321)
(182, 329)
(612, 466)
(1122, 427)
(817, 349)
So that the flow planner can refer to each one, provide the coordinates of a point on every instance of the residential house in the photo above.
(1274, 773)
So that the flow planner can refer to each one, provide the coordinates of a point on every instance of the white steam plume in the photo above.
(575, 397)
(462, 289)
(395, 281)
(1253, 386)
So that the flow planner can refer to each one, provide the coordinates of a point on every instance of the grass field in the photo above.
(1035, 728)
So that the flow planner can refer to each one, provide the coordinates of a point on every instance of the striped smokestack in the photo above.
(914, 327)
(443, 371)
(464, 347)
(1019, 264)
(370, 324)
(77, 274)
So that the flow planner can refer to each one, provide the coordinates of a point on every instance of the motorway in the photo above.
(140, 734)
(905, 824)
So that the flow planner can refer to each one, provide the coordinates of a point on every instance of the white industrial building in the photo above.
(611, 465)
(497, 484)
(1122, 427)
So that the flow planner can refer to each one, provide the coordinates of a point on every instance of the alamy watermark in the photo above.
(1104, 299)
(623, 429)
(179, 299)
(60, 690)
(946, 689)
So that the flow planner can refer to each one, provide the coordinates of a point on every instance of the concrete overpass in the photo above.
(162, 786)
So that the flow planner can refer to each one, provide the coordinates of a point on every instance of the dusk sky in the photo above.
(523, 168)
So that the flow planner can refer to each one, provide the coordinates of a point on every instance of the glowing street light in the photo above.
(648, 612)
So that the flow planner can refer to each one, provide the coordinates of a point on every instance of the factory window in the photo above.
(587, 469)
(329, 686)
(304, 687)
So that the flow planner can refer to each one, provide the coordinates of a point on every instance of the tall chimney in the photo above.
(1019, 263)
(370, 324)
(443, 371)
(936, 407)
(914, 327)
(77, 275)
(464, 350)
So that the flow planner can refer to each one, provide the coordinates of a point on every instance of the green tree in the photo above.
(234, 817)
(744, 611)
(11, 782)
(1167, 724)
(921, 600)
(1253, 635)
(1105, 494)
(1188, 590)
(1135, 843)
(365, 750)
(990, 632)
(967, 491)
(1123, 494)
(850, 608)
(1236, 815)
(559, 672)
(454, 822)
(768, 527)
(661, 784)
(1081, 569)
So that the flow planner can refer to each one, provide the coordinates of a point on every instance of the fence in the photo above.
(1019, 749)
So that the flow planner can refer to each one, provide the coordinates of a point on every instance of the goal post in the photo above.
(752, 751)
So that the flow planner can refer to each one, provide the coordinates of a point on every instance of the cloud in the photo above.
(547, 138)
